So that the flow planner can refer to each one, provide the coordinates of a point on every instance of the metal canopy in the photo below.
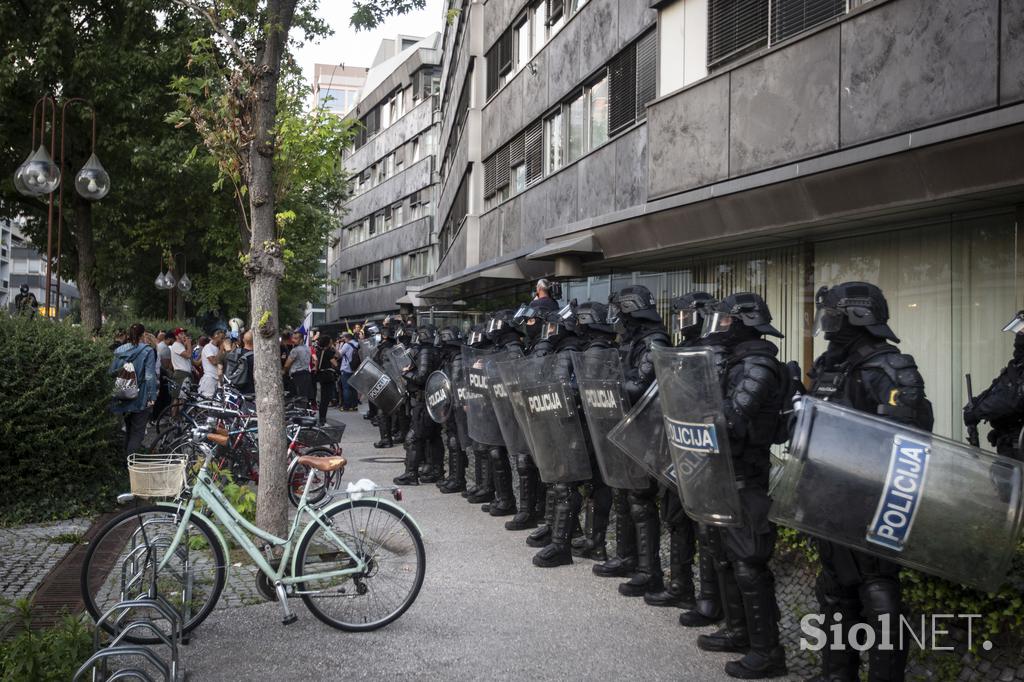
(586, 246)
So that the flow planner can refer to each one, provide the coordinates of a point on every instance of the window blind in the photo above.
(646, 73)
(735, 27)
(622, 90)
(790, 17)
(534, 152)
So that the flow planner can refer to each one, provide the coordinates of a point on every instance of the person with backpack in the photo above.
(135, 385)
(238, 366)
(326, 373)
(350, 361)
(754, 402)
(863, 369)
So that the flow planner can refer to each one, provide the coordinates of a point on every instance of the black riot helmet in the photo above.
(529, 320)
(738, 316)
(371, 329)
(632, 303)
(24, 288)
(689, 311)
(449, 336)
(405, 334)
(1016, 324)
(477, 335)
(387, 331)
(559, 324)
(857, 304)
(426, 335)
(501, 322)
(593, 316)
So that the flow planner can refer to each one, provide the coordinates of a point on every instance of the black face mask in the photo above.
(533, 331)
(845, 335)
(1018, 347)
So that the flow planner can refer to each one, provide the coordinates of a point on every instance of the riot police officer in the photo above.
(505, 337)
(633, 313)
(453, 431)
(25, 303)
(592, 326)
(688, 314)
(482, 490)
(754, 395)
(560, 332)
(861, 369)
(387, 424)
(423, 443)
(1002, 403)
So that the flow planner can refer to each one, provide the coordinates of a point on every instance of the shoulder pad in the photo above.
(657, 339)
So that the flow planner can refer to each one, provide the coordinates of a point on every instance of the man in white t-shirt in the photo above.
(181, 359)
(208, 384)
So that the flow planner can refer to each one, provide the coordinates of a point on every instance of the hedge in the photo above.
(60, 446)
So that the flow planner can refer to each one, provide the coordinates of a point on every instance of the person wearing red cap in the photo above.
(181, 359)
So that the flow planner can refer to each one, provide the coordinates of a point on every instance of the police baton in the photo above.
(972, 431)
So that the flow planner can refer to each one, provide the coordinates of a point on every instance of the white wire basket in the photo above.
(157, 475)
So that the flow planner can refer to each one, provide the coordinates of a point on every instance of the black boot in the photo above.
(485, 483)
(504, 500)
(435, 461)
(708, 609)
(766, 657)
(679, 590)
(413, 455)
(842, 665)
(566, 508)
(478, 462)
(457, 481)
(624, 561)
(592, 545)
(732, 637)
(542, 536)
(648, 576)
(529, 480)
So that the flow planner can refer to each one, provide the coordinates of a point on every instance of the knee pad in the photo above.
(880, 596)
(752, 575)
(642, 508)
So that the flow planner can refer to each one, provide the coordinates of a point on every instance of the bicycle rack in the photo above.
(169, 669)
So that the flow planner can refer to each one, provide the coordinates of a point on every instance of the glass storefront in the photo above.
(951, 285)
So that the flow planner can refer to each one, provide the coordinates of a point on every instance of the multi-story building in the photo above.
(767, 145)
(6, 297)
(28, 266)
(385, 248)
(336, 87)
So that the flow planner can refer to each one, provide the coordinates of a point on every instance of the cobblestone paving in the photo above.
(28, 553)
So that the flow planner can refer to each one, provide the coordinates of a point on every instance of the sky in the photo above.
(348, 47)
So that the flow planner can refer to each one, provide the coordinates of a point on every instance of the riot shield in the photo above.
(396, 360)
(900, 493)
(501, 401)
(480, 416)
(367, 347)
(599, 377)
(377, 385)
(440, 397)
(458, 379)
(697, 434)
(641, 436)
(552, 421)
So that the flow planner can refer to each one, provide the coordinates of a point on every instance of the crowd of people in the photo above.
(862, 368)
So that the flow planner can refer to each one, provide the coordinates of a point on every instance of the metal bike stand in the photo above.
(169, 670)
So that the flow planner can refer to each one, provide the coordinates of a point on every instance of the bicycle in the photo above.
(357, 564)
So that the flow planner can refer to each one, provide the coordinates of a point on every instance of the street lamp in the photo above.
(167, 282)
(39, 176)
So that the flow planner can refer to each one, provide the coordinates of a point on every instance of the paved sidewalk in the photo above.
(28, 553)
(485, 612)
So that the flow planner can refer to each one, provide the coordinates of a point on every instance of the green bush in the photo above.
(50, 655)
(60, 452)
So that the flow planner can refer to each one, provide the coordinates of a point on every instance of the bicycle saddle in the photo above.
(304, 421)
(325, 464)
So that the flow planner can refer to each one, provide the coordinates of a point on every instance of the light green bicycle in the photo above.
(358, 563)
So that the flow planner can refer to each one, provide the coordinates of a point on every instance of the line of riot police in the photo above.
(597, 410)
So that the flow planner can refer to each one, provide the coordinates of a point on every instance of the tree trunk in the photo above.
(87, 290)
(265, 269)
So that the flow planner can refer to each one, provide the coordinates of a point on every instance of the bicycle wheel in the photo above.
(387, 540)
(119, 565)
(319, 482)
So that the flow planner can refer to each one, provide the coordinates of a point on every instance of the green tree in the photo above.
(233, 102)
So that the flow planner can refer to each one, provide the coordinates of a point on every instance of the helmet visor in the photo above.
(1015, 325)
(494, 325)
(718, 323)
(827, 320)
(549, 329)
(683, 320)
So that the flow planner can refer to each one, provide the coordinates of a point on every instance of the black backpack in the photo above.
(236, 368)
(356, 360)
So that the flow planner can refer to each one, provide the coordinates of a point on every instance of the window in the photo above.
(389, 219)
(735, 27)
(553, 143)
(518, 178)
(622, 90)
(415, 149)
(790, 17)
(418, 263)
(396, 269)
(556, 16)
(396, 211)
(577, 127)
(646, 73)
(598, 109)
(540, 25)
(522, 40)
(534, 152)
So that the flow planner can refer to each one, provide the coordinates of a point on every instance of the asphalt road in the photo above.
(485, 612)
